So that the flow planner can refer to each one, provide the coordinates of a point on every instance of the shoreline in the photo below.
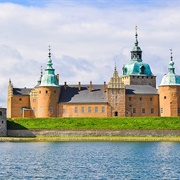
(92, 139)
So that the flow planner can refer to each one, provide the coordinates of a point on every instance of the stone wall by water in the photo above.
(3, 122)
(34, 133)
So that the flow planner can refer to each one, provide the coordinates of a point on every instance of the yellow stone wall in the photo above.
(136, 102)
(15, 105)
(116, 101)
(139, 80)
(76, 110)
(48, 98)
(169, 100)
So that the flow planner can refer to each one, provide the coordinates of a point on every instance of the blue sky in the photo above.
(87, 38)
(95, 3)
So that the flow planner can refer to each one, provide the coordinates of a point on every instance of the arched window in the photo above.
(115, 113)
(142, 70)
(0, 113)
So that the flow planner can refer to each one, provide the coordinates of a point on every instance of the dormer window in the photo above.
(142, 70)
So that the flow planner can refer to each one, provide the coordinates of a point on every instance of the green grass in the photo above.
(95, 123)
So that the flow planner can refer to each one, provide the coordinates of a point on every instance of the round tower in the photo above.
(48, 92)
(169, 92)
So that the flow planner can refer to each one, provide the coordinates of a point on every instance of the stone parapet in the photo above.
(86, 133)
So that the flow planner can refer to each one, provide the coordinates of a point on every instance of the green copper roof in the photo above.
(49, 78)
(170, 78)
(136, 65)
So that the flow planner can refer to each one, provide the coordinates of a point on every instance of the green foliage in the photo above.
(114, 123)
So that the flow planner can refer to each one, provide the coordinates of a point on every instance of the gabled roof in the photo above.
(72, 95)
(141, 89)
(21, 91)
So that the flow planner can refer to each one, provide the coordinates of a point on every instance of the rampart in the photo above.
(86, 133)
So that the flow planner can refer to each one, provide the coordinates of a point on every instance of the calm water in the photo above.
(90, 160)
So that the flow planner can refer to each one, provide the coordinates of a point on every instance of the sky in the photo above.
(87, 38)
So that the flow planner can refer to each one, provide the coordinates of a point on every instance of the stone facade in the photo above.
(140, 80)
(3, 122)
(169, 97)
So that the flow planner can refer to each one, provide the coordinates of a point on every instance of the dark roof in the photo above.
(140, 89)
(21, 91)
(72, 95)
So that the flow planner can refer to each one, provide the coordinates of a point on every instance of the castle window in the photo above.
(134, 110)
(82, 109)
(20, 111)
(103, 109)
(164, 97)
(150, 99)
(138, 77)
(40, 109)
(112, 91)
(143, 110)
(34, 100)
(34, 109)
(89, 109)
(130, 106)
(161, 110)
(20, 99)
(119, 91)
(0, 113)
(54, 91)
(133, 77)
(178, 110)
(2, 122)
(140, 98)
(129, 98)
(151, 77)
(76, 109)
(96, 109)
(46, 91)
(147, 77)
(152, 111)
(39, 92)
(51, 109)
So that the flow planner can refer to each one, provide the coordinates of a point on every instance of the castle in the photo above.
(131, 94)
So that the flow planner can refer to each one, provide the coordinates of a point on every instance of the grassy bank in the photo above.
(156, 123)
(88, 139)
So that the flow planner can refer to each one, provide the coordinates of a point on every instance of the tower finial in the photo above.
(136, 36)
(115, 67)
(171, 55)
(49, 51)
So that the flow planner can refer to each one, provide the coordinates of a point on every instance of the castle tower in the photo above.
(136, 72)
(10, 95)
(169, 92)
(48, 92)
(116, 95)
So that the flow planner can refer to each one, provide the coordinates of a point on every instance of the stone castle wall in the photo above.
(3, 122)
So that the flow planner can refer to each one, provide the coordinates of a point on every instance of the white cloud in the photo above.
(86, 40)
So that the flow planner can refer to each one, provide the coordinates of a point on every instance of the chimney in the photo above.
(104, 86)
(65, 85)
(90, 88)
(79, 86)
(57, 77)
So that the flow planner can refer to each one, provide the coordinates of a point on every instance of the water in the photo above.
(90, 160)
